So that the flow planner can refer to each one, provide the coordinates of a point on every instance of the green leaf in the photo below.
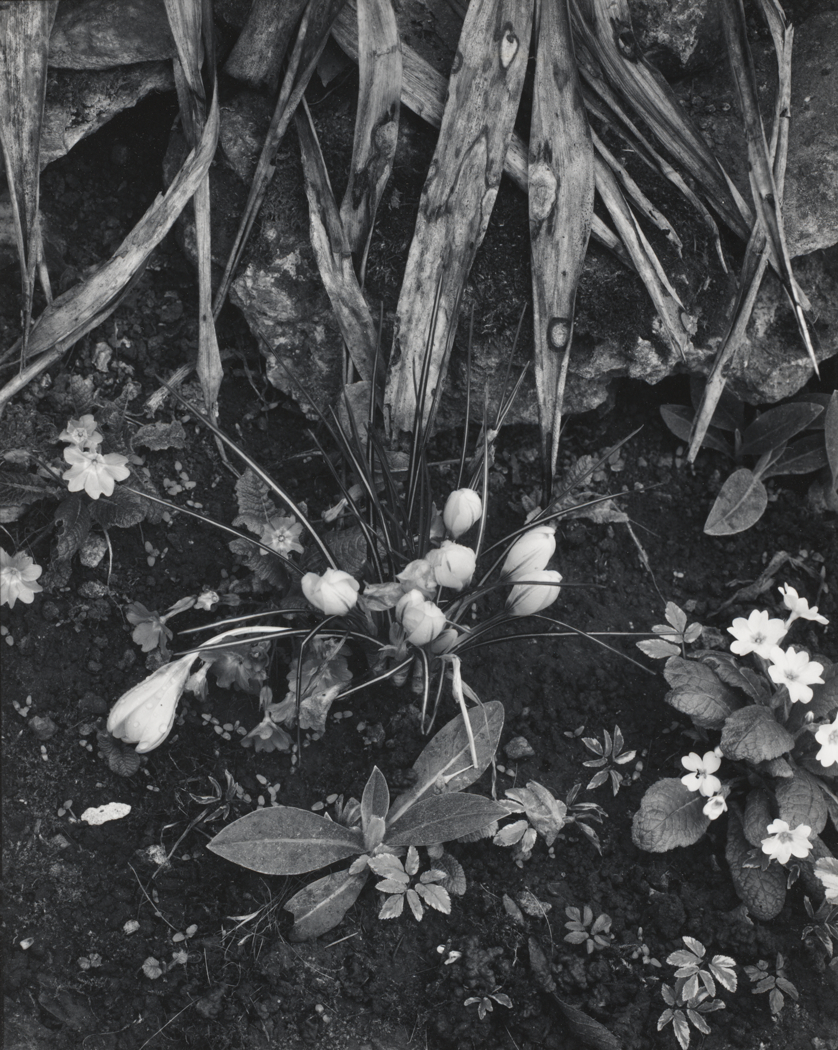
(73, 519)
(20, 488)
(256, 508)
(157, 436)
(758, 816)
(679, 420)
(449, 755)
(322, 904)
(726, 666)
(122, 509)
(763, 892)
(776, 426)
(699, 692)
(658, 648)
(441, 818)
(283, 840)
(802, 801)
(670, 815)
(375, 802)
(825, 697)
(752, 733)
(805, 456)
(739, 505)
(706, 710)
(830, 437)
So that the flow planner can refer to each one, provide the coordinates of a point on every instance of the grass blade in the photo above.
(376, 124)
(561, 205)
(24, 49)
(460, 190)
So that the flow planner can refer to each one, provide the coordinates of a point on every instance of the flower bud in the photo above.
(334, 593)
(422, 620)
(530, 552)
(532, 596)
(453, 565)
(419, 574)
(462, 509)
(145, 714)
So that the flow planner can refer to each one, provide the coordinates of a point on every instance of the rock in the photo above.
(94, 550)
(678, 37)
(101, 34)
(92, 589)
(517, 748)
(43, 727)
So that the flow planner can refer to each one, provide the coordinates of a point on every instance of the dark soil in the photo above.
(76, 978)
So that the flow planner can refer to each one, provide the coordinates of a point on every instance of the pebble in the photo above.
(43, 727)
(92, 589)
(517, 748)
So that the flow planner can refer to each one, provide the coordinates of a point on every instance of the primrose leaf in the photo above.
(801, 801)
(282, 840)
(752, 733)
(322, 904)
(706, 710)
(670, 815)
(73, 519)
(256, 508)
(830, 436)
(739, 505)
(441, 818)
(725, 665)
(774, 427)
(699, 692)
(825, 696)
(20, 488)
(157, 436)
(763, 892)
(758, 816)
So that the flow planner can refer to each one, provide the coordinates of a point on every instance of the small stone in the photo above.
(518, 748)
(92, 589)
(43, 727)
(50, 612)
(92, 704)
(93, 551)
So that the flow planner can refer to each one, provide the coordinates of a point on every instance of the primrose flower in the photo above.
(94, 472)
(701, 778)
(145, 714)
(531, 596)
(453, 565)
(782, 843)
(827, 737)
(826, 871)
(334, 593)
(419, 574)
(799, 607)
(82, 433)
(530, 552)
(714, 807)
(282, 535)
(18, 573)
(421, 620)
(796, 672)
(758, 634)
(462, 509)
(206, 600)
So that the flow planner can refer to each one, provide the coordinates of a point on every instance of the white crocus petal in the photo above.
(534, 594)
(827, 737)
(422, 620)
(530, 552)
(462, 509)
(419, 575)
(453, 565)
(334, 592)
(782, 843)
(714, 807)
(799, 607)
(796, 672)
(758, 634)
(145, 714)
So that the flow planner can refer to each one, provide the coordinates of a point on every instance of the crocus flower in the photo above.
(82, 433)
(421, 620)
(530, 552)
(453, 565)
(799, 607)
(701, 778)
(796, 672)
(714, 807)
(282, 535)
(827, 737)
(462, 509)
(419, 574)
(534, 594)
(782, 843)
(334, 593)
(94, 472)
(758, 634)
(18, 573)
(145, 714)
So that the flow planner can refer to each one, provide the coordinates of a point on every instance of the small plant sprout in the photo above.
(484, 1003)
(594, 933)
(773, 983)
(672, 636)
(608, 752)
(822, 928)
(546, 816)
(396, 877)
(681, 1012)
(690, 963)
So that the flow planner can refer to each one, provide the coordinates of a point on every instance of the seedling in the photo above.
(609, 751)
(693, 994)
(772, 983)
(484, 1003)
(594, 933)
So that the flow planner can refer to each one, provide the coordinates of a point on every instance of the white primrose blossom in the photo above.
(796, 672)
(783, 843)
(18, 573)
(701, 776)
(714, 807)
(93, 472)
(758, 634)
(799, 607)
(827, 737)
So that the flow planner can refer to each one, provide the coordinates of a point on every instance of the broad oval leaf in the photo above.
(763, 892)
(739, 505)
(752, 733)
(449, 755)
(825, 695)
(282, 840)
(830, 436)
(805, 456)
(802, 801)
(679, 419)
(375, 800)
(705, 709)
(322, 904)
(758, 816)
(774, 427)
(442, 818)
(670, 815)
(726, 666)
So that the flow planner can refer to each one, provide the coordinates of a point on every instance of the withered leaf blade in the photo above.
(459, 193)
(376, 123)
(561, 205)
(256, 58)
(24, 49)
(331, 250)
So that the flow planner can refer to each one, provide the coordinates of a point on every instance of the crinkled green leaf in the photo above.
(801, 801)
(670, 815)
(157, 436)
(752, 733)
(763, 892)
(758, 815)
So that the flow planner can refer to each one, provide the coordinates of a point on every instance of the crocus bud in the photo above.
(530, 552)
(534, 595)
(334, 593)
(445, 641)
(453, 565)
(422, 620)
(462, 509)
(145, 714)
(419, 574)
